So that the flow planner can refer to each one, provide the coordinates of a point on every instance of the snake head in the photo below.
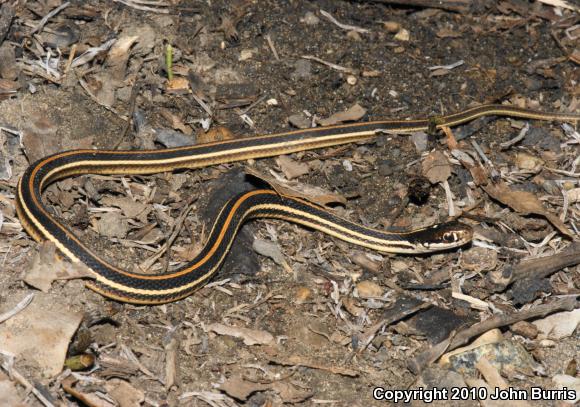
(442, 236)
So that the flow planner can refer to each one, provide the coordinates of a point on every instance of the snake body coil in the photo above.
(139, 288)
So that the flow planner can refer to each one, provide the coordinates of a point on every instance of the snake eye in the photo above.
(450, 237)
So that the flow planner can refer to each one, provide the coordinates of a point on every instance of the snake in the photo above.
(142, 288)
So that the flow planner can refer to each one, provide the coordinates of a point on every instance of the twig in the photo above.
(459, 6)
(540, 268)
(329, 64)
(144, 5)
(49, 16)
(203, 105)
(132, 102)
(347, 27)
(522, 134)
(418, 363)
(19, 307)
(174, 233)
(272, 48)
(369, 334)
(449, 198)
(486, 161)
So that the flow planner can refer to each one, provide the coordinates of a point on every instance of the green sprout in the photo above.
(169, 61)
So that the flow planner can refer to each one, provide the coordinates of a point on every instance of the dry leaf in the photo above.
(523, 202)
(573, 195)
(129, 207)
(242, 389)
(310, 193)
(354, 113)
(118, 56)
(559, 3)
(249, 336)
(46, 266)
(436, 167)
(291, 168)
(270, 250)
(112, 224)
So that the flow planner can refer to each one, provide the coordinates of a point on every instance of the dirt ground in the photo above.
(291, 327)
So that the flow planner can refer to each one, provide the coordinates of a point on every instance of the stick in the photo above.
(419, 362)
(459, 6)
(542, 267)
(47, 17)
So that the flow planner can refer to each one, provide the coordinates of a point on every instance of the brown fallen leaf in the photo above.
(249, 336)
(310, 193)
(436, 167)
(47, 266)
(353, 113)
(523, 202)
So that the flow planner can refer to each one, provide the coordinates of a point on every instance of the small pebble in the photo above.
(420, 141)
(528, 162)
(246, 54)
(525, 329)
(302, 294)
(353, 35)
(403, 35)
(300, 121)
(392, 26)
(310, 19)
(398, 266)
